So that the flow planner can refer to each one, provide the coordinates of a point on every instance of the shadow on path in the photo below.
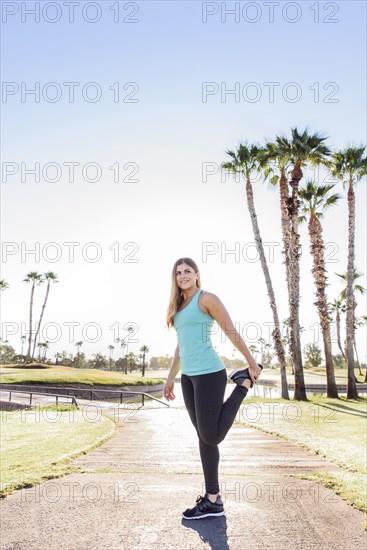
(210, 530)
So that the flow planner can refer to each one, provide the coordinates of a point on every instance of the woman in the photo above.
(192, 312)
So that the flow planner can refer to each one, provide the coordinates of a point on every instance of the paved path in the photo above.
(136, 485)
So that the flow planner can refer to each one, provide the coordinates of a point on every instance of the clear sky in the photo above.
(147, 121)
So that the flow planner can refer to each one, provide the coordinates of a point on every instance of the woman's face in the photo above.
(185, 276)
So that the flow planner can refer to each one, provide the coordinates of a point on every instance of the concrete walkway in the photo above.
(136, 485)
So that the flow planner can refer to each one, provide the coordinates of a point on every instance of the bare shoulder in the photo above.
(207, 300)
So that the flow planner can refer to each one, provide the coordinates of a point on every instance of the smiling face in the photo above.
(186, 277)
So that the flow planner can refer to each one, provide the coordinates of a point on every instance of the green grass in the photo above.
(333, 428)
(38, 445)
(49, 374)
(341, 375)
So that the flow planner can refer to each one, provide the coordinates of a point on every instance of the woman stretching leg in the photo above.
(192, 312)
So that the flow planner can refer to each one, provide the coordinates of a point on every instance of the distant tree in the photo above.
(3, 284)
(350, 166)
(79, 360)
(144, 350)
(162, 362)
(339, 361)
(313, 355)
(314, 200)
(7, 354)
(78, 345)
(99, 361)
(111, 348)
(337, 307)
(33, 278)
(49, 276)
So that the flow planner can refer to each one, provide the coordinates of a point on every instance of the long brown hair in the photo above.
(176, 297)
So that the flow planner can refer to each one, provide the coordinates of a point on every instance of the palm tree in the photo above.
(350, 165)
(253, 349)
(275, 161)
(3, 284)
(123, 345)
(301, 150)
(356, 287)
(314, 199)
(49, 276)
(111, 348)
(23, 339)
(246, 161)
(39, 345)
(45, 346)
(129, 329)
(286, 340)
(78, 345)
(36, 279)
(338, 307)
(359, 322)
(144, 350)
(343, 295)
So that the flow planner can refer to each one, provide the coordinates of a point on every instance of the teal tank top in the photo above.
(193, 327)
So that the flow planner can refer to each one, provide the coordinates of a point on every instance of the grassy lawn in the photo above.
(37, 445)
(333, 428)
(314, 375)
(50, 374)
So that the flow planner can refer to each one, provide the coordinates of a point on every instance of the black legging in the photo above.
(203, 395)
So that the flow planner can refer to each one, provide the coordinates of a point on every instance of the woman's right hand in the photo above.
(168, 390)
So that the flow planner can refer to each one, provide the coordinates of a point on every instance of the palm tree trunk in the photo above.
(276, 334)
(40, 321)
(285, 222)
(355, 350)
(352, 388)
(294, 257)
(318, 271)
(337, 318)
(28, 356)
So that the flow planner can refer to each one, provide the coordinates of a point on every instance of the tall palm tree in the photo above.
(301, 149)
(22, 339)
(78, 345)
(144, 350)
(338, 307)
(123, 345)
(111, 348)
(49, 276)
(45, 346)
(275, 162)
(246, 161)
(39, 345)
(35, 279)
(350, 165)
(129, 329)
(3, 284)
(314, 199)
(359, 322)
(356, 287)
(343, 297)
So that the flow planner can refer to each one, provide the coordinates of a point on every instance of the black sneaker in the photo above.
(239, 375)
(204, 508)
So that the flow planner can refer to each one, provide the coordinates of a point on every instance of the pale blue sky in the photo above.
(168, 134)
